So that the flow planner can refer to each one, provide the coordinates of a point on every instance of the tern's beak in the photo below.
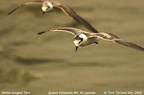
(43, 13)
(76, 48)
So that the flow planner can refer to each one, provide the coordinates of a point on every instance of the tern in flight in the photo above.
(84, 38)
(49, 5)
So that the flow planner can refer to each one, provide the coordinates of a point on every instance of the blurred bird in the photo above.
(49, 5)
(83, 38)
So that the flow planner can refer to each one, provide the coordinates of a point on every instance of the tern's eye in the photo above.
(48, 7)
(80, 40)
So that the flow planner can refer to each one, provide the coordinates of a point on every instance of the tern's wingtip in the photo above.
(41, 33)
(9, 13)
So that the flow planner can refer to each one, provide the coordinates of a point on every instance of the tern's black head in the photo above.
(78, 40)
(47, 5)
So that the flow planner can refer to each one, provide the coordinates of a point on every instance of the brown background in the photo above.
(39, 64)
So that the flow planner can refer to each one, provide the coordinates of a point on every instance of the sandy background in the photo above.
(39, 64)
